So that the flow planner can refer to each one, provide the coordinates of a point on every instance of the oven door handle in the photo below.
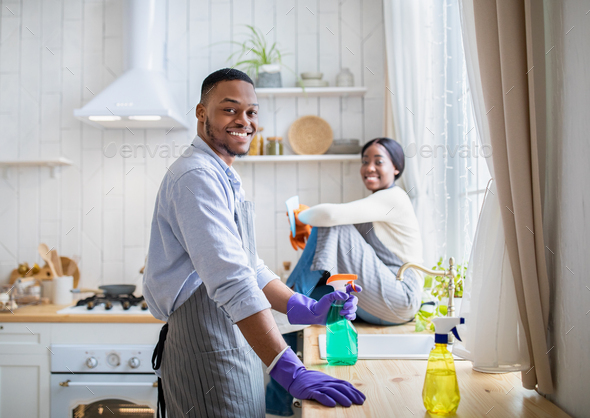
(69, 383)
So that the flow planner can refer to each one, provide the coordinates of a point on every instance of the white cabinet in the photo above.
(25, 358)
(24, 370)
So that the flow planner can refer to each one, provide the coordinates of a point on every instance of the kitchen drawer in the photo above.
(24, 338)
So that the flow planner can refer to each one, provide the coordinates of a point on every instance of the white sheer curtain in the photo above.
(408, 66)
(493, 338)
(433, 120)
(435, 92)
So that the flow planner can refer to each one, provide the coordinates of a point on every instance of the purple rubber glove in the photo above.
(301, 383)
(303, 310)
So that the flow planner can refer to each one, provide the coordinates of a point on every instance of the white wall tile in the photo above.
(285, 251)
(285, 113)
(268, 255)
(50, 118)
(28, 125)
(71, 233)
(134, 201)
(10, 89)
(284, 35)
(9, 40)
(307, 183)
(113, 18)
(264, 192)
(220, 35)
(113, 272)
(242, 14)
(72, 9)
(330, 182)
(286, 184)
(264, 13)
(71, 73)
(199, 10)
(29, 208)
(134, 261)
(9, 222)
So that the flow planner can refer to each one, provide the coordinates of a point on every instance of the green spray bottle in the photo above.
(441, 389)
(341, 337)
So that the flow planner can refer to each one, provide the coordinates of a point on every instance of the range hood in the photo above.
(141, 98)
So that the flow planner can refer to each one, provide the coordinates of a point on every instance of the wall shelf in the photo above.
(311, 92)
(297, 158)
(53, 164)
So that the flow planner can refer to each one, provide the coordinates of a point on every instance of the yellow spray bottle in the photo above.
(441, 389)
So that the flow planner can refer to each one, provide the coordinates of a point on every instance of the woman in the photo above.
(371, 237)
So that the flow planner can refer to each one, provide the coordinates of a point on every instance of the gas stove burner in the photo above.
(107, 301)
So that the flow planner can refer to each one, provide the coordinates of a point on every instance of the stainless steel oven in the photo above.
(102, 381)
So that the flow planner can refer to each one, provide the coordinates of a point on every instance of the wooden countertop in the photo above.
(394, 387)
(48, 313)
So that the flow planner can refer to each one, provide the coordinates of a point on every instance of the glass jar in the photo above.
(345, 78)
(257, 144)
(274, 145)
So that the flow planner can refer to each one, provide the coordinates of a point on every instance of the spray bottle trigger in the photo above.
(456, 334)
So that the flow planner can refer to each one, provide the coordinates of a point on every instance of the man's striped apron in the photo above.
(208, 369)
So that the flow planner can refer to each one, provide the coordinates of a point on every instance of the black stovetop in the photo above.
(107, 301)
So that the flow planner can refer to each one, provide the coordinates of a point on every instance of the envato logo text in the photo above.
(472, 150)
(146, 150)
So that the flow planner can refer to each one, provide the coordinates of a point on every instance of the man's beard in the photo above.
(222, 143)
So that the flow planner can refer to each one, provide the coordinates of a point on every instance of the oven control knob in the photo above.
(134, 362)
(91, 362)
(113, 359)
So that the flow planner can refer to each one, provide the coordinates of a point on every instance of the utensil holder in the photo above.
(61, 290)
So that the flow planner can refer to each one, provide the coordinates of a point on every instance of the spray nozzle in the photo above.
(442, 327)
(339, 281)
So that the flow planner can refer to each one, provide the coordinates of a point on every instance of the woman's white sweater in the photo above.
(390, 211)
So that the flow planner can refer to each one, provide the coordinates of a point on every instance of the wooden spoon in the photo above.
(44, 252)
(72, 266)
(56, 262)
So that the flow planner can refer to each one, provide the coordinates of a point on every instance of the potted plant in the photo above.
(262, 62)
(435, 296)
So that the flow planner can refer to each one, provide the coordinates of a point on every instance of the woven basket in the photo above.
(310, 135)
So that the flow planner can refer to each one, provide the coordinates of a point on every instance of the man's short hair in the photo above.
(225, 74)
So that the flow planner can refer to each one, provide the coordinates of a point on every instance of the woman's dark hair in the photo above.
(394, 149)
(225, 74)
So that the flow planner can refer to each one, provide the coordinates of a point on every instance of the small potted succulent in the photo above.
(436, 295)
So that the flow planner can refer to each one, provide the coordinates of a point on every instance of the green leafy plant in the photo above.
(435, 289)
(262, 53)
(425, 316)
(441, 284)
(255, 52)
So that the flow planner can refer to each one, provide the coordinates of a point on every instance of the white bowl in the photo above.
(312, 76)
(314, 83)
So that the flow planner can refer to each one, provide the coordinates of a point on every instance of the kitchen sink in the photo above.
(389, 346)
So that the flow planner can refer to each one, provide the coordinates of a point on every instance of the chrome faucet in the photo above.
(451, 272)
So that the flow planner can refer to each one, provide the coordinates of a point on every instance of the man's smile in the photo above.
(240, 133)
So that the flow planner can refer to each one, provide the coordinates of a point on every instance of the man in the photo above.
(204, 278)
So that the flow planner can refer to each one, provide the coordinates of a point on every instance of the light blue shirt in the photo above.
(195, 240)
